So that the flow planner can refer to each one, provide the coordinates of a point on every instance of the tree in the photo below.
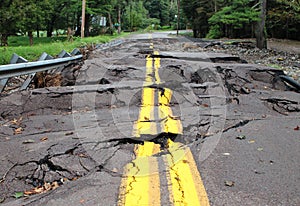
(10, 14)
(135, 15)
(283, 19)
(233, 20)
(33, 12)
(197, 13)
(261, 39)
(159, 9)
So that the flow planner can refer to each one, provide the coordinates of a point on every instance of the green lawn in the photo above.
(52, 46)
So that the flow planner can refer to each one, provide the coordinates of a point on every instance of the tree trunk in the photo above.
(261, 41)
(215, 5)
(4, 39)
(38, 31)
(119, 19)
(30, 35)
(49, 30)
(87, 25)
(111, 26)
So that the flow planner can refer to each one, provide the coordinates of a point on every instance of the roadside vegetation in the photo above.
(208, 19)
(51, 45)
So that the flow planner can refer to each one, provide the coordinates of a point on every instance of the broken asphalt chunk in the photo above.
(241, 137)
(29, 141)
(229, 183)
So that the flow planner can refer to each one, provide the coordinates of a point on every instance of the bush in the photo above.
(215, 32)
(166, 28)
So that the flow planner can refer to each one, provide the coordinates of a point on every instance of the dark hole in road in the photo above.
(104, 81)
(232, 59)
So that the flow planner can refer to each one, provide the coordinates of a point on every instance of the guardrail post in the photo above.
(30, 77)
(75, 52)
(15, 59)
(62, 54)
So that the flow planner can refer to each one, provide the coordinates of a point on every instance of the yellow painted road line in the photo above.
(171, 124)
(141, 186)
(149, 71)
(156, 68)
(145, 124)
(185, 184)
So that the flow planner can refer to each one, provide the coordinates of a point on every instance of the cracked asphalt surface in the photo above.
(240, 121)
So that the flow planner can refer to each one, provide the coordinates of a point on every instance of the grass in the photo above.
(52, 46)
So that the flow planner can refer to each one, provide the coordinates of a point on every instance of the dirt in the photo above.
(284, 45)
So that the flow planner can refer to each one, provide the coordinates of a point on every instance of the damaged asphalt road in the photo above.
(240, 121)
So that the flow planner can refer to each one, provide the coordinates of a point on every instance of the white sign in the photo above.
(103, 21)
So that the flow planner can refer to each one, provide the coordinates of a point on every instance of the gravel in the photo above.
(284, 55)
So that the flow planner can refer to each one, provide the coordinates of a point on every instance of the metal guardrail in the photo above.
(19, 66)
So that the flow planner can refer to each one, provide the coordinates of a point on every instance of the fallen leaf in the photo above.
(251, 141)
(229, 183)
(47, 186)
(260, 149)
(241, 137)
(185, 161)
(54, 185)
(19, 194)
(18, 131)
(226, 154)
(297, 128)
(205, 105)
(74, 178)
(16, 121)
(280, 59)
(41, 189)
(83, 155)
(82, 201)
(43, 139)
(34, 191)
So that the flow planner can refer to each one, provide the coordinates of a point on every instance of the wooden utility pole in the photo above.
(178, 16)
(83, 18)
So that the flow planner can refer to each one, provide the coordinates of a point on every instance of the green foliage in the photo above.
(294, 4)
(283, 19)
(135, 16)
(215, 32)
(52, 46)
(238, 15)
(159, 9)
(197, 13)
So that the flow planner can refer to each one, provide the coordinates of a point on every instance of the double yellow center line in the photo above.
(141, 180)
